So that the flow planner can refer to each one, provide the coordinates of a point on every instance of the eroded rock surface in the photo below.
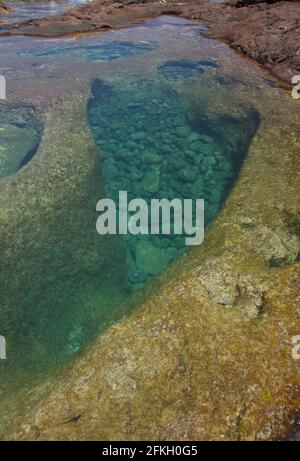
(270, 34)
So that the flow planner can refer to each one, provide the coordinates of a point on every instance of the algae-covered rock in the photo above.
(16, 144)
(150, 259)
(20, 132)
(48, 239)
(151, 158)
(150, 182)
(183, 131)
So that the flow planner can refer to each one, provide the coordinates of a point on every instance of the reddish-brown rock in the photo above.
(268, 33)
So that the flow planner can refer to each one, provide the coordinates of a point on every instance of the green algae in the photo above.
(58, 279)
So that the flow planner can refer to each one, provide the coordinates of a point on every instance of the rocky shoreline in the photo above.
(266, 32)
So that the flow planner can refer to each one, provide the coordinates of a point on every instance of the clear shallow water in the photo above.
(153, 90)
(152, 147)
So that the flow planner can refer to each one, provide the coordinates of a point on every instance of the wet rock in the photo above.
(177, 163)
(160, 165)
(150, 181)
(266, 33)
(198, 187)
(183, 131)
(20, 133)
(278, 248)
(149, 258)
(135, 175)
(150, 158)
(110, 171)
(193, 136)
(206, 139)
(137, 277)
(177, 70)
(220, 282)
(188, 174)
(138, 136)
(215, 196)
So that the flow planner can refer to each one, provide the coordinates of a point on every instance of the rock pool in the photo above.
(153, 145)
(156, 110)
(152, 140)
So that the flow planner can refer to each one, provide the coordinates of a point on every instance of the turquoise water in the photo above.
(151, 147)
(161, 132)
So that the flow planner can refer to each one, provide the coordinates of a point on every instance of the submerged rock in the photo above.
(150, 181)
(20, 132)
(183, 131)
(150, 259)
(151, 158)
